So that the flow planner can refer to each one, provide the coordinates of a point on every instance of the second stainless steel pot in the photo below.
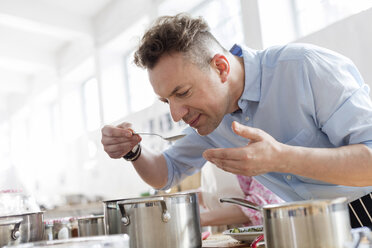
(163, 221)
(91, 226)
(21, 228)
(9, 231)
(305, 224)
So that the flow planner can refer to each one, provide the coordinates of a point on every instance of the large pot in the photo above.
(157, 221)
(315, 223)
(91, 226)
(21, 228)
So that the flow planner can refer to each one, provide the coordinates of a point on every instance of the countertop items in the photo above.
(221, 240)
(247, 234)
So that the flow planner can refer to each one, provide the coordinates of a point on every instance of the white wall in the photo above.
(351, 37)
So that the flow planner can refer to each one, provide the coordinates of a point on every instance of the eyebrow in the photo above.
(175, 90)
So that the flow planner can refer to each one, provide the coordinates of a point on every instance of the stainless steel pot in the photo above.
(21, 228)
(157, 221)
(9, 230)
(91, 226)
(316, 223)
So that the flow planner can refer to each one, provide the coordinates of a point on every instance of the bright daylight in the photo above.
(199, 123)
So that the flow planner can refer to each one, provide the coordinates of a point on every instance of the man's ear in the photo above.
(220, 63)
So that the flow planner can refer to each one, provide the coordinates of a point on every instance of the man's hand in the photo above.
(118, 141)
(261, 155)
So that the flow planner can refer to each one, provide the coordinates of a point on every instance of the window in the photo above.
(224, 19)
(316, 14)
(140, 92)
(41, 126)
(113, 90)
(277, 25)
(19, 136)
(171, 7)
(72, 116)
(5, 139)
(284, 21)
(91, 105)
(56, 121)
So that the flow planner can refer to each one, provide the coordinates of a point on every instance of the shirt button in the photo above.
(247, 118)
(289, 177)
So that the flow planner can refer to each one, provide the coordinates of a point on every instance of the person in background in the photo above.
(298, 118)
(216, 183)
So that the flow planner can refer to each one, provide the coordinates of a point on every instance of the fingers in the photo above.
(254, 134)
(125, 146)
(232, 166)
(125, 125)
(118, 141)
(227, 153)
(115, 151)
(112, 131)
(113, 140)
(238, 167)
(233, 160)
(118, 150)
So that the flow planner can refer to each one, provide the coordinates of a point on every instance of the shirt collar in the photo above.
(252, 70)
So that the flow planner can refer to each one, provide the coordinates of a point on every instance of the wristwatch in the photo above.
(134, 154)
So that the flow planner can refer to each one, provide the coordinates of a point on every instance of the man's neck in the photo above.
(236, 81)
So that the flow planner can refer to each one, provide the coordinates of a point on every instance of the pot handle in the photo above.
(256, 242)
(242, 202)
(125, 218)
(358, 234)
(17, 223)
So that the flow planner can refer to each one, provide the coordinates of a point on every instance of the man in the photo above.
(297, 117)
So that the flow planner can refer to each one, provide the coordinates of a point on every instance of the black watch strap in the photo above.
(134, 154)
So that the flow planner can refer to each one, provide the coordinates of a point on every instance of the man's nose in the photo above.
(177, 110)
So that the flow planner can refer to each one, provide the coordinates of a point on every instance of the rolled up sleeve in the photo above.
(344, 109)
(184, 158)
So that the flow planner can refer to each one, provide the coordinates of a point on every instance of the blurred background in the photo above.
(66, 69)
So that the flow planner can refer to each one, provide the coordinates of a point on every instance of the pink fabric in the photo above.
(258, 194)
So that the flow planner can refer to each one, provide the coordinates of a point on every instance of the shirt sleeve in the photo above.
(184, 158)
(341, 98)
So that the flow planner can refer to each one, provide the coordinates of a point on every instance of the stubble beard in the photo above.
(210, 126)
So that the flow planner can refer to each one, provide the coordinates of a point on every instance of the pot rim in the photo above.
(178, 194)
(306, 203)
(21, 214)
(101, 216)
(12, 221)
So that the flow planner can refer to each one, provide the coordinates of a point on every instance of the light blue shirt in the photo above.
(300, 94)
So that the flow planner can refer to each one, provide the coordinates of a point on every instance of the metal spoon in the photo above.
(170, 138)
(242, 202)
